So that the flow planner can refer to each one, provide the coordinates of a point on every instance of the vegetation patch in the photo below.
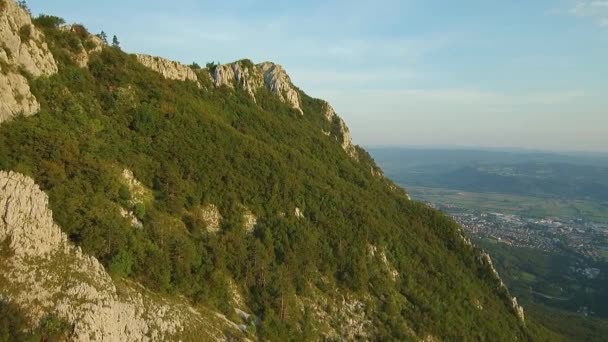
(25, 32)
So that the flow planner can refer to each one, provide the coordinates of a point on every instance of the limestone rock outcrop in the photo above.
(22, 47)
(43, 273)
(486, 260)
(22, 43)
(279, 83)
(169, 69)
(298, 213)
(343, 316)
(211, 217)
(137, 191)
(345, 140)
(252, 77)
(249, 220)
(15, 95)
(93, 45)
(380, 257)
(239, 74)
(343, 133)
(26, 221)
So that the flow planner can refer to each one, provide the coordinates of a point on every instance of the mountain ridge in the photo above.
(303, 242)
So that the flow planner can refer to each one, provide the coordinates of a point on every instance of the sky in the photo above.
(474, 73)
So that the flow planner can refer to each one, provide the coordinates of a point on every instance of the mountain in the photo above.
(146, 200)
(545, 175)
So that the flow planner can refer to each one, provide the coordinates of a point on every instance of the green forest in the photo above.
(191, 146)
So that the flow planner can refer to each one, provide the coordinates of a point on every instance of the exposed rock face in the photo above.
(211, 217)
(25, 218)
(169, 69)
(330, 113)
(485, 259)
(249, 220)
(380, 255)
(31, 53)
(15, 95)
(139, 193)
(246, 78)
(277, 80)
(22, 46)
(346, 141)
(343, 134)
(130, 216)
(298, 213)
(138, 196)
(252, 77)
(343, 317)
(43, 273)
(94, 45)
(519, 310)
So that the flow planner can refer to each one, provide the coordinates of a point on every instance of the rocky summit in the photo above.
(22, 47)
(143, 199)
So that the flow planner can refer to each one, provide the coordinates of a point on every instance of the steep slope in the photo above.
(182, 192)
(43, 273)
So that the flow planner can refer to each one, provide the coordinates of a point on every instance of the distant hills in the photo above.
(520, 173)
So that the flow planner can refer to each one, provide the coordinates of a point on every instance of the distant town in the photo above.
(548, 234)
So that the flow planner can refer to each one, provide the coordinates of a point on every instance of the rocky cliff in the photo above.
(169, 69)
(252, 77)
(43, 273)
(89, 45)
(22, 50)
(343, 133)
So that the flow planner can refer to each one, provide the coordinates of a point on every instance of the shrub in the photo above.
(247, 63)
(24, 6)
(122, 264)
(12, 322)
(2, 5)
(25, 32)
(53, 328)
(124, 193)
(80, 31)
(211, 66)
(140, 211)
(48, 21)
(89, 44)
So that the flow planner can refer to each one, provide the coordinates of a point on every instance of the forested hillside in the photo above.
(231, 197)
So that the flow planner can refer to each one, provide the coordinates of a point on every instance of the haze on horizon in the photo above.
(473, 73)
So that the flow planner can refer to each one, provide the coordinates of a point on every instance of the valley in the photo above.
(551, 250)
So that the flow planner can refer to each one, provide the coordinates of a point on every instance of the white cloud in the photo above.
(597, 10)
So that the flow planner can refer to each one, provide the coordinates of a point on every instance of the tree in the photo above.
(115, 42)
(48, 21)
(104, 37)
(211, 66)
(23, 5)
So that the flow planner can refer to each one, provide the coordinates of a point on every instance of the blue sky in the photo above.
(520, 73)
